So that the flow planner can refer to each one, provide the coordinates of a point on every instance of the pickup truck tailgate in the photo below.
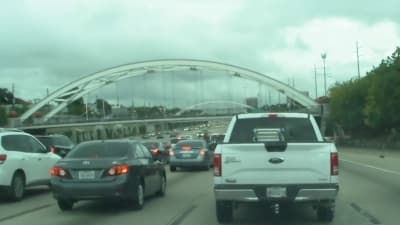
(305, 163)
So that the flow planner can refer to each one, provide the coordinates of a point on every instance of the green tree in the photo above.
(3, 116)
(99, 106)
(369, 105)
(77, 107)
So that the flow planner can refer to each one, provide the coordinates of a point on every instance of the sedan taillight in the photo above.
(58, 172)
(118, 170)
(155, 151)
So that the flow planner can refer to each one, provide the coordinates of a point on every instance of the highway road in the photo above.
(368, 195)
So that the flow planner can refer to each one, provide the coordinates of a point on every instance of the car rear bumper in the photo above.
(188, 162)
(294, 193)
(119, 188)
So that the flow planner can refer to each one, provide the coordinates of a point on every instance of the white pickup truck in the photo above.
(275, 158)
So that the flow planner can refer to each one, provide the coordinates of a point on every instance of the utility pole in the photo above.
(358, 59)
(86, 107)
(315, 81)
(13, 95)
(323, 56)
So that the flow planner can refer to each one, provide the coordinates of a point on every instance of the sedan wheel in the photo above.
(65, 204)
(138, 200)
(163, 186)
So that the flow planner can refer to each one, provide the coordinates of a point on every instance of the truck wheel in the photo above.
(224, 211)
(325, 214)
(172, 168)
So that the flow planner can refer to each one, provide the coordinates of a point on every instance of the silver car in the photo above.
(191, 153)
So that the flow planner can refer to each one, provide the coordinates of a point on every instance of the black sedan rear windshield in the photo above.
(47, 141)
(152, 145)
(293, 129)
(100, 150)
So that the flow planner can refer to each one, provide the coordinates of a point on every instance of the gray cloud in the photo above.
(48, 43)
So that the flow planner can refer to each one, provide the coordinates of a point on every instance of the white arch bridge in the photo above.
(220, 102)
(80, 87)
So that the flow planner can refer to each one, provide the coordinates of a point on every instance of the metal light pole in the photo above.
(323, 56)
(315, 81)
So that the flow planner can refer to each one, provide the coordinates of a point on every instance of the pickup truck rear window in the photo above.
(293, 129)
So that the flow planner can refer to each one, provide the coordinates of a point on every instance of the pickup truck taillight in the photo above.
(334, 164)
(217, 165)
(3, 158)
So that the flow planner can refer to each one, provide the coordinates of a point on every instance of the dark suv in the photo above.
(57, 143)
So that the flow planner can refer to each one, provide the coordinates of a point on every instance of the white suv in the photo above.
(24, 161)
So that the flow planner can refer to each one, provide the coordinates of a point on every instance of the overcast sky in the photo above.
(47, 43)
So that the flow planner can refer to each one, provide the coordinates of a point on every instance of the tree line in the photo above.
(369, 106)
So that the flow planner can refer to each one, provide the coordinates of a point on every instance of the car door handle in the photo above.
(276, 160)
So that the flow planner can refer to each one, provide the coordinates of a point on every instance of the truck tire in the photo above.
(325, 213)
(224, 211)
(172, 168)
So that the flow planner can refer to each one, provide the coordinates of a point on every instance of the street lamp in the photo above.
(323, 56)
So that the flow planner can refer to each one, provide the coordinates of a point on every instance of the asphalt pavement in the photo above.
(367, 196)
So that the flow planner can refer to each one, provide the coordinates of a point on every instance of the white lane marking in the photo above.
(371, 167)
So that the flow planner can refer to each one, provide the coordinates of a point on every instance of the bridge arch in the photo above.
(78, 88)
(213, 102)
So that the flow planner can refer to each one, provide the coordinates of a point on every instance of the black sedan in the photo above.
(158, 151)
(56, 143)
(107, 169)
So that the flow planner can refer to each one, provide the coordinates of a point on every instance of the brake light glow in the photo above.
(3, 158)
(334, 164)
(58, 172)
(118, 170)
(273, 115)
(155, 151)
(171, 153)
(186, 147)
(202, 152)
(217, 165)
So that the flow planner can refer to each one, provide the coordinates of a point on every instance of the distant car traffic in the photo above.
(160, 135)
(191, 153)
(24, 161)
(57, 143)
(110, 169)
(145, 136)
(157, 150)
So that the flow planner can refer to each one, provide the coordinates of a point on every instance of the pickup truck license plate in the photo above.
(86, 175)
(276, 192)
